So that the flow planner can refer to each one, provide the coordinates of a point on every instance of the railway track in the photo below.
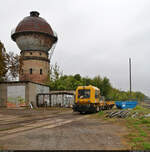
(30, 119)
(51, 121)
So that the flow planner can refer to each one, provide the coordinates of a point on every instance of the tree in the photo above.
(106, 87)
(15, 64)
(3, 62)
(55, 72)
(58, 81)
(53, 76)
(77, 77)
(103, 84)
(97, 81)
(10, 64)
(86, 81)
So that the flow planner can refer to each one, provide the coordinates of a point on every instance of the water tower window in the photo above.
(41, 71)
(30, 53)
(30, 71)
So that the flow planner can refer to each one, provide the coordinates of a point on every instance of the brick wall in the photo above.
(34, 60)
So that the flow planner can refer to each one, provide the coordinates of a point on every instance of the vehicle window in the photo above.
(96, 94)
(82, 94)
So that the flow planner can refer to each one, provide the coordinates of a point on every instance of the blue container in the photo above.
(126, 104)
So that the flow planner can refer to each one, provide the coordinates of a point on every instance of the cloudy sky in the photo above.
(96, 37)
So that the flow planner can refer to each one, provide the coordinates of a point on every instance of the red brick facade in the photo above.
(38, 62)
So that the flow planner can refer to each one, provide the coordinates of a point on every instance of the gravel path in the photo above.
(63, 131)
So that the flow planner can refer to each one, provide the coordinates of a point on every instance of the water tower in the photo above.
(35, 38)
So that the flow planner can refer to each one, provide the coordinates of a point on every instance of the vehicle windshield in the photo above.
(82, 94)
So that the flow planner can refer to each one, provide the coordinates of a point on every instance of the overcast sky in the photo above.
(96, 37)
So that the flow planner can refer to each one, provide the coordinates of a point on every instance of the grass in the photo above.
(139, 131)
(146, 145)
(138, 136)
(143, 133)
(131, 135)
(101, 113)
(148, 125)
(145, 121)
(136, 126)
(137, 139)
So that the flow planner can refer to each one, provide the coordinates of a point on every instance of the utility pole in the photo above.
(130, 75)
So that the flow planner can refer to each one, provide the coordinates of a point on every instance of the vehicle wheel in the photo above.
(83, 113)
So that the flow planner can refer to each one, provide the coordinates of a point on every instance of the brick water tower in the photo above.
(35, 38)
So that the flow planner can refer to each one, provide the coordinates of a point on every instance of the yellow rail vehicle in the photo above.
(87, 100)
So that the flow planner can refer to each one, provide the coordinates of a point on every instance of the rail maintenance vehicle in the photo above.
(89, 100)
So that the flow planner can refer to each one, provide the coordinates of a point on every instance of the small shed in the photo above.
(20, 93)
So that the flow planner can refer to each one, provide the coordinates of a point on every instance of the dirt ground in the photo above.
(57, 129)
